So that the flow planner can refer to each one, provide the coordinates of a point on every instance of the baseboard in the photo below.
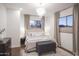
(15, 51)
(66, 50)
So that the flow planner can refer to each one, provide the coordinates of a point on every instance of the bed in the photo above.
(34, 37)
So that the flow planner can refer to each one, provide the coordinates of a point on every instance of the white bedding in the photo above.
(37, 38)
(31, 40)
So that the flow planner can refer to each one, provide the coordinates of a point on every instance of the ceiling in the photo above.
(30, 8)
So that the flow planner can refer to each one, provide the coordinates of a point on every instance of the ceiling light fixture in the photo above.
(21, 9)
(40, 11)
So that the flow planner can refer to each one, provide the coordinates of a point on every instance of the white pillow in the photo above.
(35, 33)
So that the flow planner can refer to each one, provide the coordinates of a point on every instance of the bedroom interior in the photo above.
(39, 29)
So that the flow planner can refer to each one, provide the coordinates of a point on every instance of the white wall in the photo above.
(3, 19)
(49, 26)
(10, 20)
(67, 38)
(66, 12)
(33, 17)
(13, 27)
(22, 29)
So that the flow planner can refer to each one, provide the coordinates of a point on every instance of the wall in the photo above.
(22, 28)
(13, 27)
(3, 19)
(65, 37)
(66, 12)
(10, 20)
(49, 26)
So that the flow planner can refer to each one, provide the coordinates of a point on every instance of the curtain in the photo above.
(76, 29)
(26, 22)
(57, 34)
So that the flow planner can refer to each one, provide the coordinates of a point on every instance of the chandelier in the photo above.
(41, 9)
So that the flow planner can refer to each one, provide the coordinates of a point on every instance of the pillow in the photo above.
(35, 33)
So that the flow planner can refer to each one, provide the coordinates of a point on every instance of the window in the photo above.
(62, 22)
(69, 21)
(35, 23)
(66, 21)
